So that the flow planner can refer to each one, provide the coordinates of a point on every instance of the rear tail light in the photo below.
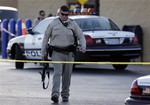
(135, 90)
(89, 40)
(135, 40)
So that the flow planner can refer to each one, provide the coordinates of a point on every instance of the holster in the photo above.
(72, 48)
(49, 50)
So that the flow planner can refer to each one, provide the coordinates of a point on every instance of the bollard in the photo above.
(12, 29)
(4, 38)
(18, 27)
(28, 23)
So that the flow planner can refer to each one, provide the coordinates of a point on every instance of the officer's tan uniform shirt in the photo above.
(62, 36)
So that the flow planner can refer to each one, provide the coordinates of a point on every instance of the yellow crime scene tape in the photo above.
(74, 62)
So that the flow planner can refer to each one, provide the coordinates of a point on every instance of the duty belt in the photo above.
(65, 50)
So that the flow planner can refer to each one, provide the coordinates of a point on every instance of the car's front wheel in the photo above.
(18, 56)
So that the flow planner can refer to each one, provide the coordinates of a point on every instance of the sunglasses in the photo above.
(42, 14)
(64, 14)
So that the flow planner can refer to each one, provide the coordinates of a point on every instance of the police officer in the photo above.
(60, 38)
(39, 18)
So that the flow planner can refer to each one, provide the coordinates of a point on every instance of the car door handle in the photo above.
(39, 38)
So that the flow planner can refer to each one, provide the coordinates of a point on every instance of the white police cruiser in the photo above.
(105, 42)
(140, 92)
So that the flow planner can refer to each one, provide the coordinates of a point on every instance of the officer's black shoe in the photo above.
(54, 99)
(65, 99)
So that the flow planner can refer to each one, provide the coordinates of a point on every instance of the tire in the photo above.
(121, 66)
(18, 56)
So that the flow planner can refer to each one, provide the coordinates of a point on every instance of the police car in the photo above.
(140, 92)
(105, 42)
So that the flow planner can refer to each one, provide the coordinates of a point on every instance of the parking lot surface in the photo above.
(91, 85)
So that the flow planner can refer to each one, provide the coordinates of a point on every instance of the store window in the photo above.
(90, 7)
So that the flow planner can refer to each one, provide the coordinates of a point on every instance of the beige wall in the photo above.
(30, 8)
(130, 12)
(11, 3)
(122, 12)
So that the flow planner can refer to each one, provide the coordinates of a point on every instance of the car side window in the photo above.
(113, 25)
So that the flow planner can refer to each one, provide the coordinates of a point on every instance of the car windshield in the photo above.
(86, 24)
(93, 24)
(42, 26)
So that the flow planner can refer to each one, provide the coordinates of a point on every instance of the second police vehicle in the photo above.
(140, 92)
(105, 42)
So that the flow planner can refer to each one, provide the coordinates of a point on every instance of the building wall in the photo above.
(130, 12)
(11, 3)
(30, 8)
(123, 12)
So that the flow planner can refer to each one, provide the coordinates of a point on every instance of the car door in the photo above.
(33, 43)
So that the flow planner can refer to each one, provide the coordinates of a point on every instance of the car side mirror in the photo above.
(29, 31)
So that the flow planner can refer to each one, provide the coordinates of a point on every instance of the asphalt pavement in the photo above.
(90, 86)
